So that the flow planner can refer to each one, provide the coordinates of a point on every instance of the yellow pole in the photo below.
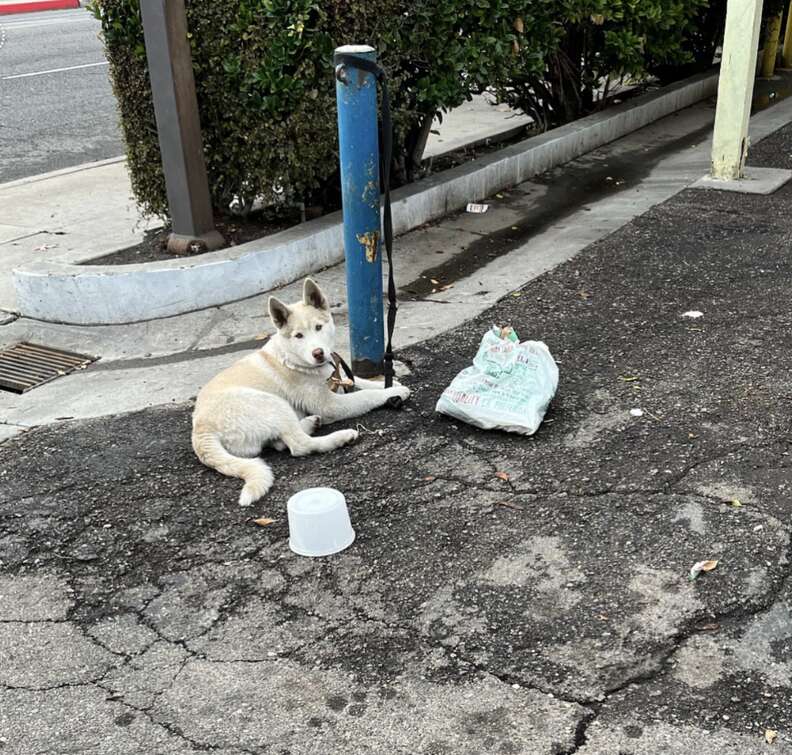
(786, 55)
(771, 46)
(735, 88)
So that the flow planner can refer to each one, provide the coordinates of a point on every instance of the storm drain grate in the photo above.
(27, 365)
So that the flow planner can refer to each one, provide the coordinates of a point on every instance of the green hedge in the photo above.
(264, 76)
(602, 41)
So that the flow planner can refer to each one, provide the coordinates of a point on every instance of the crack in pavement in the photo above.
(581, 594)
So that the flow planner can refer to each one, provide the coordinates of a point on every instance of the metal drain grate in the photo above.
(28, 365)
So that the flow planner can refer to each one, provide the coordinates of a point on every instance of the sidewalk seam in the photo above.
(60, 172)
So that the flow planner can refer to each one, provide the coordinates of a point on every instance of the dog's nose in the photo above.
(318, 355)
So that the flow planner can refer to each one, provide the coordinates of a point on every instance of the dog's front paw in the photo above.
(398, 391)
(348, 436)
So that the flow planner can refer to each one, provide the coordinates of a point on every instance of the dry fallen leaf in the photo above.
(735, 502)
(702, 566)
(263, 522)
(502, 476)
(770, 735)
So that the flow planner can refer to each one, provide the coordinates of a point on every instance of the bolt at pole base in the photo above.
(182, 244)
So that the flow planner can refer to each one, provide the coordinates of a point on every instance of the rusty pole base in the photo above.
(184, 245)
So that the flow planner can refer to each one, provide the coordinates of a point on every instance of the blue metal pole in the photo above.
(356, 97)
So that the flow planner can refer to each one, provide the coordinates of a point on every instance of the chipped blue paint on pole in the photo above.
(356, 96)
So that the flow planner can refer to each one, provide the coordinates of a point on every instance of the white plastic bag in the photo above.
(508, 387)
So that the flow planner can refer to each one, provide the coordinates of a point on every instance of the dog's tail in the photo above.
(256, 474)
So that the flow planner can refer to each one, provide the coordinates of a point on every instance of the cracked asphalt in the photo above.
(142, 611)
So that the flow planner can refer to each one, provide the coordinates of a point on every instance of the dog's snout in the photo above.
(318, 355)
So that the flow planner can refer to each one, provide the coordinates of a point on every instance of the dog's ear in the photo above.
(313, 296)
(278, 312)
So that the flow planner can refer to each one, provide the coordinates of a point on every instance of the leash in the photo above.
(335, 381)
(342, 60)
(346, 383)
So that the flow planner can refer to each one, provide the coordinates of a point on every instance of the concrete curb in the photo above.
(120, 294)
(29, 6)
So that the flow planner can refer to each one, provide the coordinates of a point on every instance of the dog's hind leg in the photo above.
(310, 424)
(300, 443)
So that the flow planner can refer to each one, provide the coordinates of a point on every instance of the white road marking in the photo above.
(53, 70)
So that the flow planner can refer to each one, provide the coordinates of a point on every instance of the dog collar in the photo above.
(304, 368)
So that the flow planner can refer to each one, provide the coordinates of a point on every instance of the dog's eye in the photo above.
(318, 327)
(298, 335)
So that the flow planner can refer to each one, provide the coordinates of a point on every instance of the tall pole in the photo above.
(358, 141)
(735, 88)
(178, 126)
(786, 53)
(771, 45)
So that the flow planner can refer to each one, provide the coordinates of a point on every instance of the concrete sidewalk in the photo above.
(80, 213)
(70, 215)
(483, 257)
(504, 594)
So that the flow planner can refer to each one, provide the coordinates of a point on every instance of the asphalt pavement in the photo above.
(57, 108)
(504, 594)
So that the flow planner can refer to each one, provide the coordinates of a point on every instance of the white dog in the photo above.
(279, 396)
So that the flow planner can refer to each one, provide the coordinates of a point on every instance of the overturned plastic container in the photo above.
(319, 522)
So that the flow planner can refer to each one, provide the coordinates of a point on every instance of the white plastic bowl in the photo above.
(319, 522)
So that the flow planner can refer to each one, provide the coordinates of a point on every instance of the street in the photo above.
(56, 105)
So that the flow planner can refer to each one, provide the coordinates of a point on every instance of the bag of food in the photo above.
(508, 387)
